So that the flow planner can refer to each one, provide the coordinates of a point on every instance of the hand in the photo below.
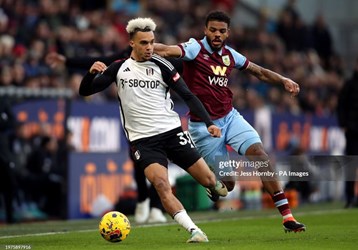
(214, 131)
(55, 60)
(291, 86)
(97, 67)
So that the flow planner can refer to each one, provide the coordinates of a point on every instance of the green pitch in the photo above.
(328, 227)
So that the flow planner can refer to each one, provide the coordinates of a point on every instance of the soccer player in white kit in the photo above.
(151, 125)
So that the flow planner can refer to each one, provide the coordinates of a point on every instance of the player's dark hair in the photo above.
(217, 16)
(146, 29)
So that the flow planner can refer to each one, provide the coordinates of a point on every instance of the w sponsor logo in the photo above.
(218, 70)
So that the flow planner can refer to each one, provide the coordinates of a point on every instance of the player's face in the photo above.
(142, 44)
(216, 33)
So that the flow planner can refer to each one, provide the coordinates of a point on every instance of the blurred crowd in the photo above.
(287, 44)
(32, 169)
(30, 29)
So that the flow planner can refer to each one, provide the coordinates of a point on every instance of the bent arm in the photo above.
(193, 102)
(93, 82)
(264, 74)
(269, 76)
(167, 50)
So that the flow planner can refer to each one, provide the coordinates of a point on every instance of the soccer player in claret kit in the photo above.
(151, 125)
(207, 64)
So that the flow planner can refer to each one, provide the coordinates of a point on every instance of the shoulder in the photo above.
(240, 60)
(162, 62)
(190, 44)
(114, 67)
(118, 63)
(231, 50)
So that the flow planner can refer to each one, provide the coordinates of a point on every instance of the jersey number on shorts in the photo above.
(185, 138)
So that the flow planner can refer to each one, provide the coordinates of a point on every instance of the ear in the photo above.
(131, 43)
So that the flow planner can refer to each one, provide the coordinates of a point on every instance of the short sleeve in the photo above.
(190, 49)
(241, 62)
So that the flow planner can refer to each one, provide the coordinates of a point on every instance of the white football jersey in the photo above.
(145, 104)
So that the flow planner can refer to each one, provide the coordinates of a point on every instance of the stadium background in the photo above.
(310, 42)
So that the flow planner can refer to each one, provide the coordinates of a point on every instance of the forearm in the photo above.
(86, 86)
(265, 75)
(195, 105)
(269, 76)
(94, 83)
(160, 49)
(167, 50)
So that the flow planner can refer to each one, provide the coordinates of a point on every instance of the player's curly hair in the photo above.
(140, 24)
(217, 16)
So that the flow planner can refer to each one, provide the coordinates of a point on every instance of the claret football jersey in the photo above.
(206, 73)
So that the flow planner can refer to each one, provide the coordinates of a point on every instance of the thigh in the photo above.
(156, 174)
(181, 150)
(148, 151)
(240, 135)
(200, 172)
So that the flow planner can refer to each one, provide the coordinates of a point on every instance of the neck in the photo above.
(136, 58)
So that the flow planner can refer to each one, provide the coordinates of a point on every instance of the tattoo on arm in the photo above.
(264, 74)
(254, 69)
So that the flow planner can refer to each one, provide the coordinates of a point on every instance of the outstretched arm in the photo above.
(269, 76)
(167, 50)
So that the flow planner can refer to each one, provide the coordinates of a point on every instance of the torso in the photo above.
(207, 76)
(145, 103)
